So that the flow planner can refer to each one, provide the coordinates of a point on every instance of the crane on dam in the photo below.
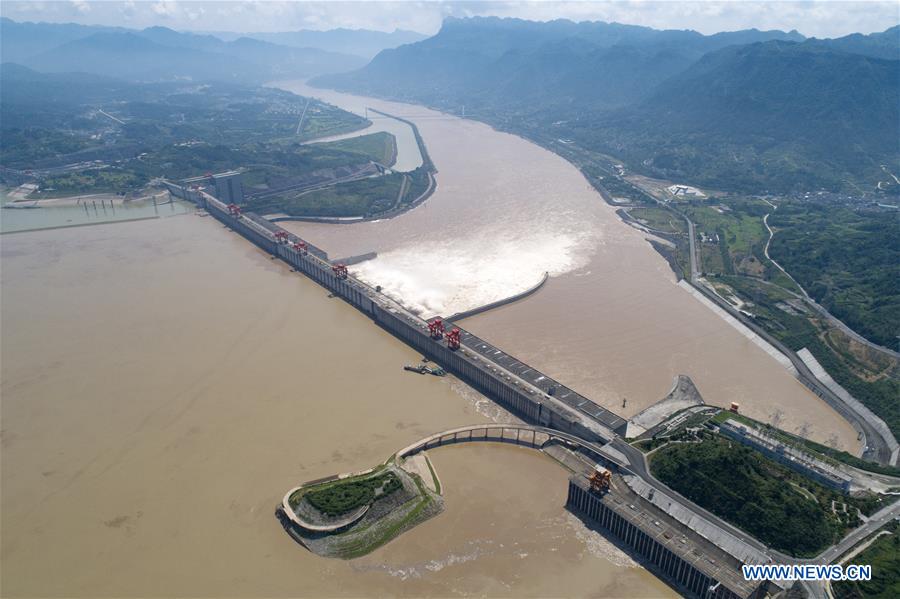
(453, 338)
(600, 479)
(340, 270)
(436, 328)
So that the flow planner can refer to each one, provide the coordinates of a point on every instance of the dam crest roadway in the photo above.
(555, 410)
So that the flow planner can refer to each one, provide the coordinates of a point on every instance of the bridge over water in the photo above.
(536, 437)
(687, 546)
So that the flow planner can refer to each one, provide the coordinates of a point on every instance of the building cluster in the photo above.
(788, 455)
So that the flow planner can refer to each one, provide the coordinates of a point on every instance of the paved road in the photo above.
(639, 467)
(692, 237)
(302, 116)
(876, 446)
(834, 320)
(877, 520)
(106, 114)
(363, 171)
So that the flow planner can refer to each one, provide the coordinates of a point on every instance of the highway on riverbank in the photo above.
(879, 444)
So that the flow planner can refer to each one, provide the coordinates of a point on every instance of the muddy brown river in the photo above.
(164, 383)
(611, 322)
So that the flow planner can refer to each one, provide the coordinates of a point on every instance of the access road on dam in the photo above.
(556, 410)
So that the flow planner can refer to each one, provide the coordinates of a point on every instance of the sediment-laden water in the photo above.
(164, 383)
(611, 322)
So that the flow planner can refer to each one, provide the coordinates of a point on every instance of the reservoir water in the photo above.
(611, 322)
(163, 384)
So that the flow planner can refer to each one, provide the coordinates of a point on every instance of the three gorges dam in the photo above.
(691, 549)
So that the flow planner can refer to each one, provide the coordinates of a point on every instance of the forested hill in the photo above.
(749, 110)
(358, 42)
(487, 61)
(774, 115)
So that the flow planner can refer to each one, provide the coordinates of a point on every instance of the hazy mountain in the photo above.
(359, 42)
(748, 109)
(880, 45)
(21, 85)
(284, 61)
(175, 39)
(482, 61)
(131, 56)
(19, 41)
(161, 53)
(789, 115)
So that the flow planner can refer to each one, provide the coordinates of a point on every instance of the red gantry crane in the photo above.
(281, 236)
(436, 328)
(340, 270)
(453, 339)
(234, 210)
(299, 246)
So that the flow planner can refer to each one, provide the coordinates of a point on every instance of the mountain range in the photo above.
(489, 60)
(158, 53)
(737, 110)
(743, 110)
(359, 42)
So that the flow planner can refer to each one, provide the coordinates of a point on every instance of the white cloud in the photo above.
(165, 8)
(82, 6)
(822, 18)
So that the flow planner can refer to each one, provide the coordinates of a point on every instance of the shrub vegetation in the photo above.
(346, 496)
(780, 507)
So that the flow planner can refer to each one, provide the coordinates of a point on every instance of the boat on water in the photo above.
(423, 369)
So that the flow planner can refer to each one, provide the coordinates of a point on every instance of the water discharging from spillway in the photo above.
(164, 382)
(611, 322)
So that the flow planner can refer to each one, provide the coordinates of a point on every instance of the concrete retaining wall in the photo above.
(502, 302)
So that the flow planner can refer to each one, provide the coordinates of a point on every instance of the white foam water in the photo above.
(443, 277)
(598, 545)
(473, 550)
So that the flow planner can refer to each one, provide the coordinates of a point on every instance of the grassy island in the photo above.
(350, 516)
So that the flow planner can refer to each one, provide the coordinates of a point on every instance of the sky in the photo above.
(819, 18)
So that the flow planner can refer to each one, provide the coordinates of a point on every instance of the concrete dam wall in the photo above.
(531, 402)
(695, 565)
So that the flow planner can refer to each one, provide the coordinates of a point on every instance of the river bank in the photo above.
(22, 214)
(614, 325)
(425, 164)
